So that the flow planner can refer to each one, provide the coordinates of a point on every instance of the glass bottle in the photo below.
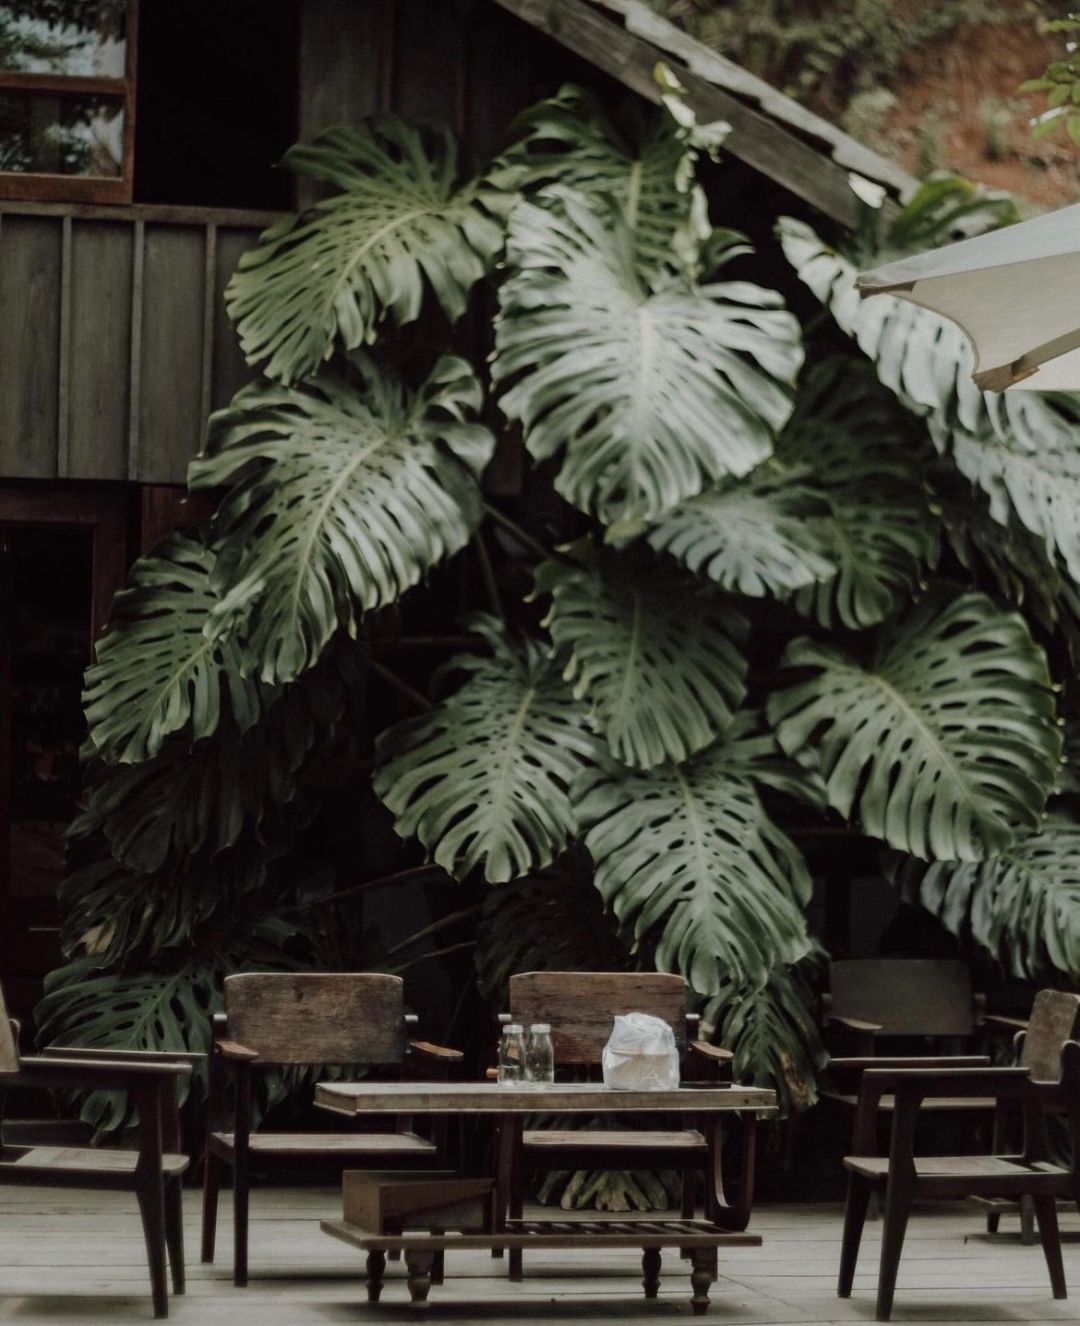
(512, 1054)
(539, 1055)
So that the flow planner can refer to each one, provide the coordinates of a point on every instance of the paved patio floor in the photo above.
(68, 1257)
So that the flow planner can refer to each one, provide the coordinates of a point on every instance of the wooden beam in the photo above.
(755, 138)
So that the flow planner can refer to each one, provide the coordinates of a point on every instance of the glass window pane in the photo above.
(45, 134)
(83, 38)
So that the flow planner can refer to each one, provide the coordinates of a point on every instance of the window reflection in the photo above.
(45, 134)
(79, 38)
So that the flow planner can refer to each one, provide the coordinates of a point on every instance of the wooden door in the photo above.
(63, 552)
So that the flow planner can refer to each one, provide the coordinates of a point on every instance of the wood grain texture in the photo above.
(581, 1007)
(562, 1098)
(905, 996)
(30, 255)
(318, 1017)
(538, 1234)
(1053, 1019)
(330, 1144)
(376, 1201)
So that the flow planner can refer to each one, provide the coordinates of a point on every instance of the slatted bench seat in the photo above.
(698, 1239)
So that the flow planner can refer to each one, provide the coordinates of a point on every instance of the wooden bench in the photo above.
(698, 1239)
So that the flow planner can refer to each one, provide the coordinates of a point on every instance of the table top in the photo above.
(560, 1098)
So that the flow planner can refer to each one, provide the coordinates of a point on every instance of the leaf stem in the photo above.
(435, 953)
(522, 536)
(414, 873)
(487, 571)
(432, 929)
(410, 693)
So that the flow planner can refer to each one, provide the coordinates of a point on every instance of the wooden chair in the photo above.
(903, 1177)
(152, 1171)
(1038, 1048)
(581, 1007)
(903, 1012)
(305, 1019)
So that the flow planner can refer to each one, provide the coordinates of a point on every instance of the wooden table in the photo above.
(507, 1106)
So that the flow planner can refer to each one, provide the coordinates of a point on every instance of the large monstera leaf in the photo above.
(483, 778)
(650, 394)
(946, 746)
(1022, 906)
(686, 856)
(1021, 448)
(159, 670)
(773, 1032)
(343, 497)
(646, 175)
(400, 222)
(656, 659)
(839, 519)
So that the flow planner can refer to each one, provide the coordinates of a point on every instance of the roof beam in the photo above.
(756, 138)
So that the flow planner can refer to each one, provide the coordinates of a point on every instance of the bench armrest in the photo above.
(436, 1054)
(234, 1051)
(853, 1024)
(94, 1073)
(66, 1052)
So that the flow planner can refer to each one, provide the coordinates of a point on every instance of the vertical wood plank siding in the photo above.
(114, 341)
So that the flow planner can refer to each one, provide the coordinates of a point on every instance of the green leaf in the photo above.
(840, 517)
(686, 855)
(1022, 906)
(400, 223)
(483, 778)
(342, 499)
(946, 746)
(646, 175)
(655, 657)
(550, 920)
(649, 394)
(773, 1032)
(158, 670)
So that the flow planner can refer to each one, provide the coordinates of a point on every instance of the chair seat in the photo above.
(80, 1160)
(986, 1174)
(329, 1144)
(958, 1104)
(647, 1140)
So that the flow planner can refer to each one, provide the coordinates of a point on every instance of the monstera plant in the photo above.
(739, 598)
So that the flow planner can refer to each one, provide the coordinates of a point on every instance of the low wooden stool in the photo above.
(434, 1201)
(699, 1239)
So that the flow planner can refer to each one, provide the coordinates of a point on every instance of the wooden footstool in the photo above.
(699, 1239)
(431, 1201)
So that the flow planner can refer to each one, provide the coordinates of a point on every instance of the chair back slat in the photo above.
(318, 1017)
(1053, 1017)
(581, 1007)
(9, 1050)
(905, 996)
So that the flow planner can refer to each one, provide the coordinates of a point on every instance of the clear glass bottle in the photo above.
(512, 1055)
(539, 1055)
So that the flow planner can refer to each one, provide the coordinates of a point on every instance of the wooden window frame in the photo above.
(50, 188)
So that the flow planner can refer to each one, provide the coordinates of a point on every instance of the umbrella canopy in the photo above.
(1015, 293)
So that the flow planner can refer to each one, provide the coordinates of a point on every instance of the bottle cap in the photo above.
(513, 1029)
(541, 1028)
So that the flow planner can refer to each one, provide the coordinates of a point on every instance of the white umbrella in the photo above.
(1014, 292)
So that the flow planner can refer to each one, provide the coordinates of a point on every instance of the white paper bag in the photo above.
(641, 1055)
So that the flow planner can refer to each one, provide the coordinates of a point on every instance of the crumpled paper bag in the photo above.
(641, 1055)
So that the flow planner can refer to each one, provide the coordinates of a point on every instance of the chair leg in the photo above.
(858, 1200)
(1046, 1214)
(211, 1186)
(241, 1202)
(689, 1204)
(152, 1211)
(993, 1221)
(897, 1209)
(1027, 1221)
(174, 1231)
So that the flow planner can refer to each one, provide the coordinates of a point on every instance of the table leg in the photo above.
(702, 1276)
(507, 1132)
(650, 1269)
(728, 1214)
(376, 1265)
(418, 1265)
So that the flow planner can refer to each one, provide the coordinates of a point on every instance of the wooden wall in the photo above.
(114, 342)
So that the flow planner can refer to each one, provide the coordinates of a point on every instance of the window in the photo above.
(67, 104)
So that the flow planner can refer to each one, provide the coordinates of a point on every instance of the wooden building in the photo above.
(138, 141)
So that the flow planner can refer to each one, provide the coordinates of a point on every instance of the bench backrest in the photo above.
(905, 996)
(318, 1017)
(581, 1007)
(1053, 1017)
